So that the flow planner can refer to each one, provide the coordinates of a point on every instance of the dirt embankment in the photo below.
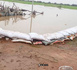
(20, 56)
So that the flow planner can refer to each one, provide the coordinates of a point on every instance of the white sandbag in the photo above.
(1, 31)
(59, 35)
(54, 36)
(74, 30)
(16, 35)
(51, 36)
(8, 33)
(46, 35)
(21, 35)
(64, 33)
(1, 35)
(69, 31)
(12, 34)
(36, 36)
(21, 40)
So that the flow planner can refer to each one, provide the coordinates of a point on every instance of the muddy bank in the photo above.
(20, 56)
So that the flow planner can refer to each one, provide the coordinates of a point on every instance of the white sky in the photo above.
(61, 1)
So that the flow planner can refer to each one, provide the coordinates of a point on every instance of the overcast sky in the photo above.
(61, 1)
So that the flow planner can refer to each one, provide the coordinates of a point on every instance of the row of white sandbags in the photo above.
(57, 35)
(61, 34)
(12, 34)
(45, 37)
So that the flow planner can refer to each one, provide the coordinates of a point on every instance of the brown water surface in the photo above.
(53, 19)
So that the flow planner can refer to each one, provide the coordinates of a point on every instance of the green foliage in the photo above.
(45, 4)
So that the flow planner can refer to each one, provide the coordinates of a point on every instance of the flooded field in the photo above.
(53, 20)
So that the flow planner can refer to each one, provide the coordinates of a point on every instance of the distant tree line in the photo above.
(50, 3)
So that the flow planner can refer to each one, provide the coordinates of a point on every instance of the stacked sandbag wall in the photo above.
(34, 38)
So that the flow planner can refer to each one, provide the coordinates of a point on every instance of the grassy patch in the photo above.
(45, 4)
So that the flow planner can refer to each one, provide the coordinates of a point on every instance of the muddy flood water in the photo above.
(53, 20)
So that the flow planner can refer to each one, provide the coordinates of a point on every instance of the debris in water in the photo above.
(7, 11)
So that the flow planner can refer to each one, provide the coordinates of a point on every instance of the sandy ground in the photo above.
(20, 56)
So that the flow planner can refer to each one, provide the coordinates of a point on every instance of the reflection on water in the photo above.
(33, 16)
(53, 20)
(14, 19)
(31, 25)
